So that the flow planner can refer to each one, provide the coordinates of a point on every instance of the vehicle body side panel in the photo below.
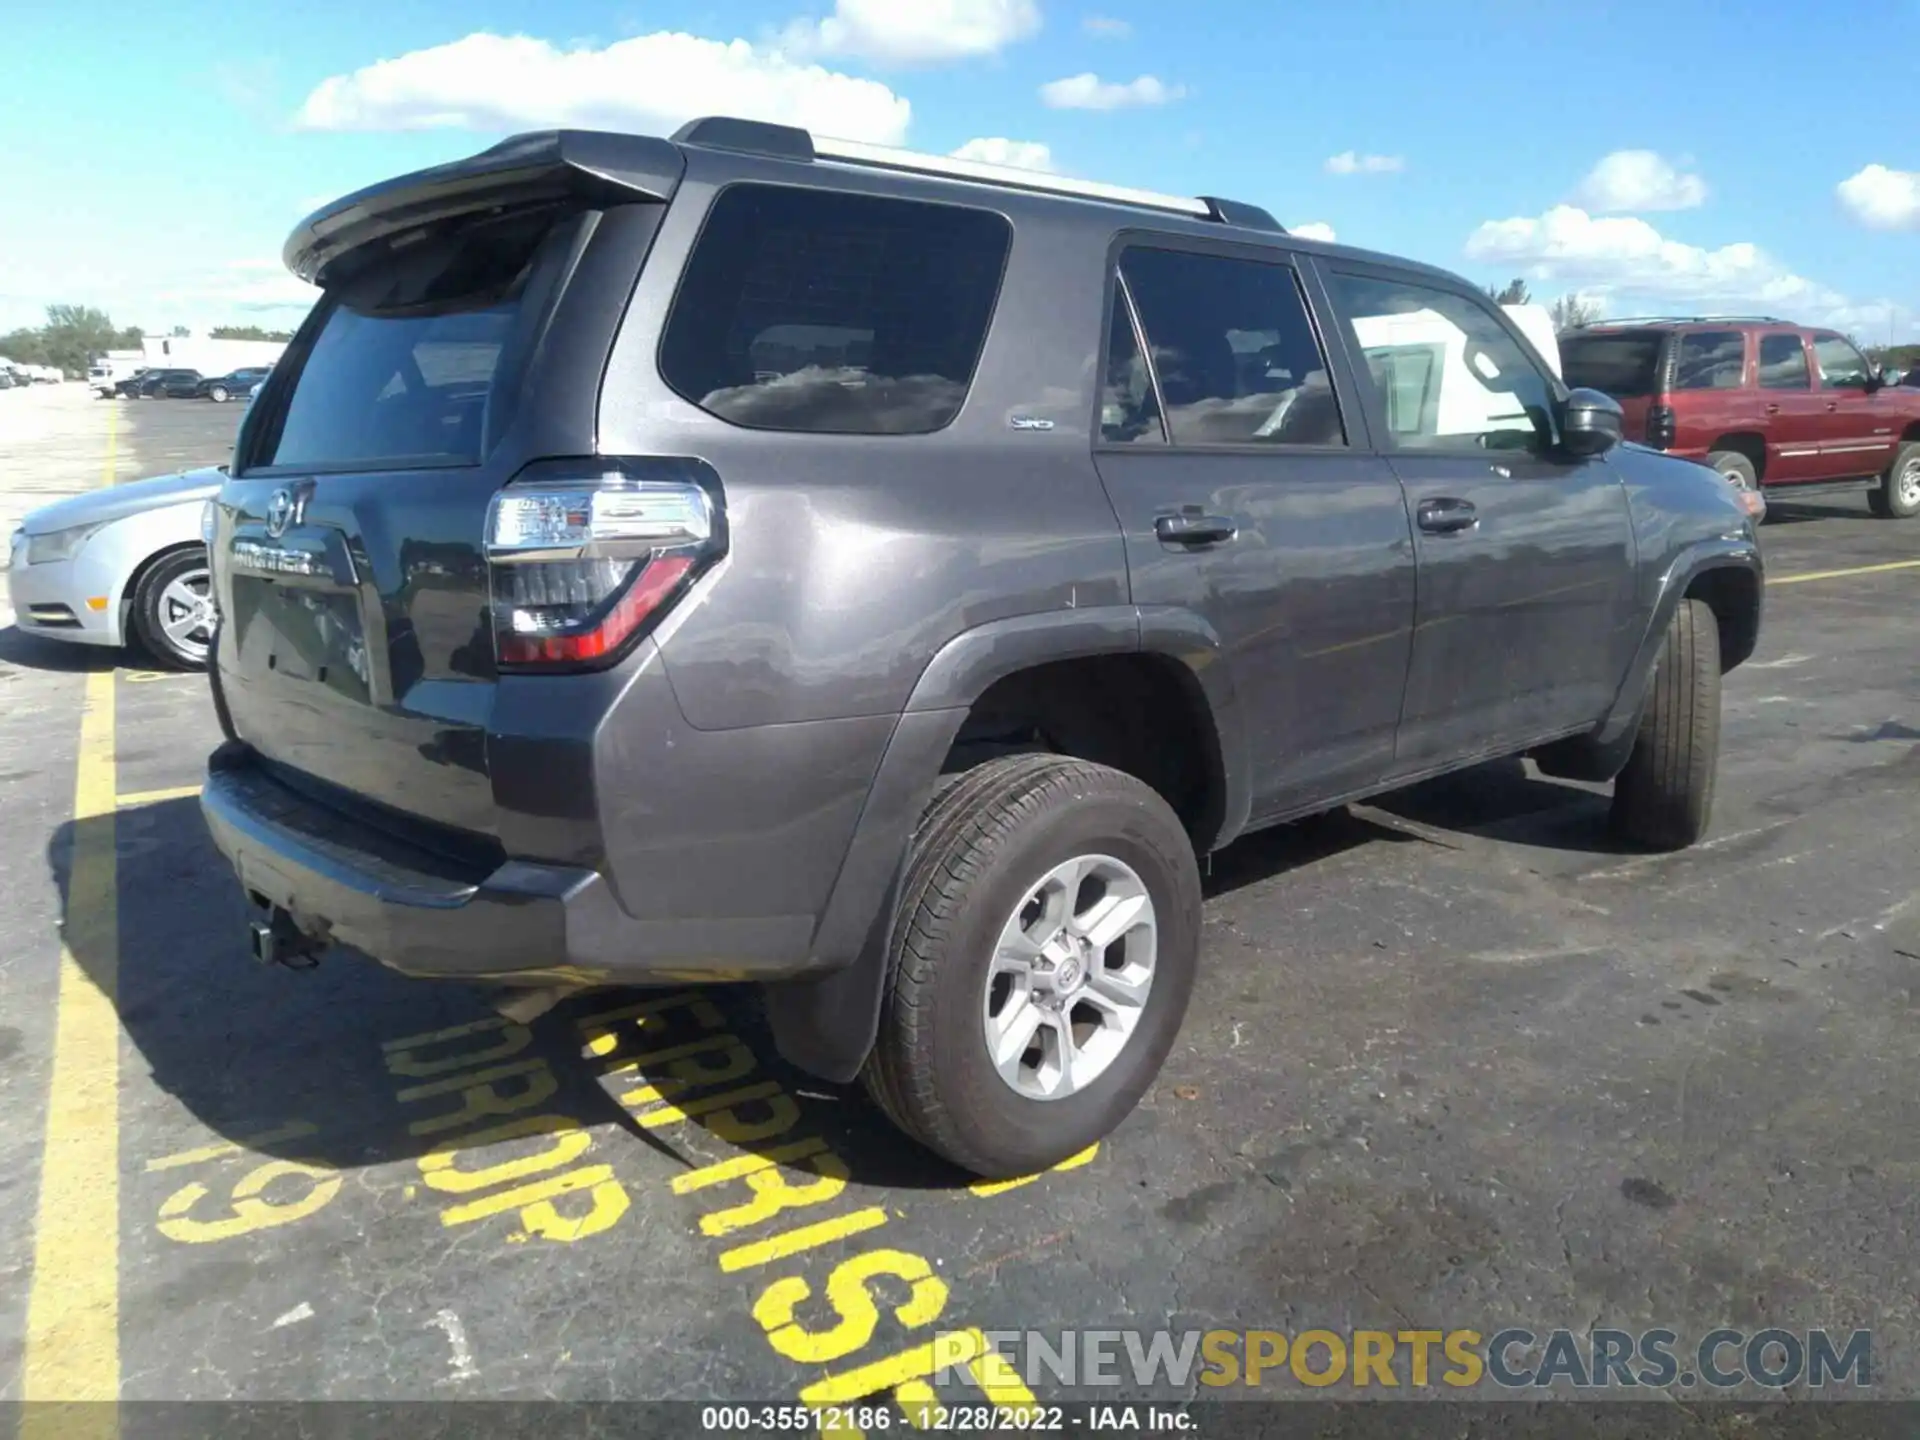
(979, 522)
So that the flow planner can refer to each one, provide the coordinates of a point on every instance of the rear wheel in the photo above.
(1663, 798)
(1736, 467)
(173, 609)
(1045, 949)
(1897, 497)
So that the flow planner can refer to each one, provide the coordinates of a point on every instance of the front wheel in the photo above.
(1040, 966)
(1897, 497)
(218, 394)
(1663, 798)
(173, 609)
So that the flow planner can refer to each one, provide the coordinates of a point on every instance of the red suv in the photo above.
(1770, 405)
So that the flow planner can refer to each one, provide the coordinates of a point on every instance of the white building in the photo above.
(208, 356)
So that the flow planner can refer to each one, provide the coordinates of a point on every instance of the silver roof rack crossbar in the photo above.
(1685, 320)
(791, 143)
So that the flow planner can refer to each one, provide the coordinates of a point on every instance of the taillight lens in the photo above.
(580, 564)
(1660, 426)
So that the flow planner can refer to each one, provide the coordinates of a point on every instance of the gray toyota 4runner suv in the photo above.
(738, 558)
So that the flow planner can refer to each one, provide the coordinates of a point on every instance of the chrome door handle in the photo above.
(1187, 529)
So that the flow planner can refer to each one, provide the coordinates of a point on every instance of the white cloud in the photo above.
(918, 32)
(1087, 91)
(649, 83)
(1348, 162)
(1105, 27)
(1021, 154)
(1313, 230)
(1618, 255)
(1883, 199)
(1639, 180)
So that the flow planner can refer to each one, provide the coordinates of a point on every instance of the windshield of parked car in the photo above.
(1620, 365)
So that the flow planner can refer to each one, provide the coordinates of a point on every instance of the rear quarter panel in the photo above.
(854, 558)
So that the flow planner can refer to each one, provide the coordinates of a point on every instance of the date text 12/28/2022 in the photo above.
(868, 1417)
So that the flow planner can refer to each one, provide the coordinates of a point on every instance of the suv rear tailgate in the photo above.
(452, 346)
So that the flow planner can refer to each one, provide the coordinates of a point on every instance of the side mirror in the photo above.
(1592, 423)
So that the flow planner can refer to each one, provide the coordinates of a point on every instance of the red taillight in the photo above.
(644, 594)
(581, 563)
(1660, 426)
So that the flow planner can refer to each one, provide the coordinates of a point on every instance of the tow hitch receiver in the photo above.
(275, 940)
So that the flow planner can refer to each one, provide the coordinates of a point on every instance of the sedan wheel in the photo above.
(174, 609)
(218, 394)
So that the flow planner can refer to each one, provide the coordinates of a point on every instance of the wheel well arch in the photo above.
(140, 573)
(1732, 592)
(1748, 443)
(1912, 432)
(1140, 712)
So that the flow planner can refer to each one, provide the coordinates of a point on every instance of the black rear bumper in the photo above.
(422, 912)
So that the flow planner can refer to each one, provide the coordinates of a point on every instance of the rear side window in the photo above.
(1129, 412)
(831, 313)
(1710, 360)
(1783, 363)
(402, 370)
(1235, 354)
(1623, 366)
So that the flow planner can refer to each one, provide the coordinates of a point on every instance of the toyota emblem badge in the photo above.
(280, 513)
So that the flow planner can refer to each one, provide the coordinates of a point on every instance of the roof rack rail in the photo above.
(1684, 320)
(788, 142)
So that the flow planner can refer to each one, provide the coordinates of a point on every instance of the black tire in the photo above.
(1663, 798)
(149, 597)
(982, 846)
(218, 394)
(1897, 496)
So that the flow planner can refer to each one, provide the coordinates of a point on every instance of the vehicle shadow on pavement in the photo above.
(351, 1065)
(1502, 800)
(34, 652)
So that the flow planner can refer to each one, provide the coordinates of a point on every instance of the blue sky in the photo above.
(156, 160)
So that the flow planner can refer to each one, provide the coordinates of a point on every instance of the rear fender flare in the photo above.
(826, 1024)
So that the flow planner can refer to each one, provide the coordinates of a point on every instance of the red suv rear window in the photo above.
(1621, 365)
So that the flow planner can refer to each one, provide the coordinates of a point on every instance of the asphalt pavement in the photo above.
(1452, 1063)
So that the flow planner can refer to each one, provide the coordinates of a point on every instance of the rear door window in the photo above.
(833, 313)
(1233, 349)
(1783, 363)
(1623, 366)
(402, 370)
(1710, 360)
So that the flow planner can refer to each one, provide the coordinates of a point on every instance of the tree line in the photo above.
(74, 334)
(1569, 312)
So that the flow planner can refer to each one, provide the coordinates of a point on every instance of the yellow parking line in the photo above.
(73, 1307)
(1840, 574)
(156, 797)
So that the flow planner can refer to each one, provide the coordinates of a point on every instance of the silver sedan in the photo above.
(118, 565)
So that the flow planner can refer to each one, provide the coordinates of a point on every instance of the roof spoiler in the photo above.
(527, 169)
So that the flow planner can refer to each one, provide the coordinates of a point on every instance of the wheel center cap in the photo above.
(1067, 975)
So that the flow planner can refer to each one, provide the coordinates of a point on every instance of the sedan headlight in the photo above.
(209, 519)
(58, 544)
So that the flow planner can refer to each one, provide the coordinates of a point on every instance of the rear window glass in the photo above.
(1710, 360)
(404, 368)
(1617, 365)
(820, 311)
